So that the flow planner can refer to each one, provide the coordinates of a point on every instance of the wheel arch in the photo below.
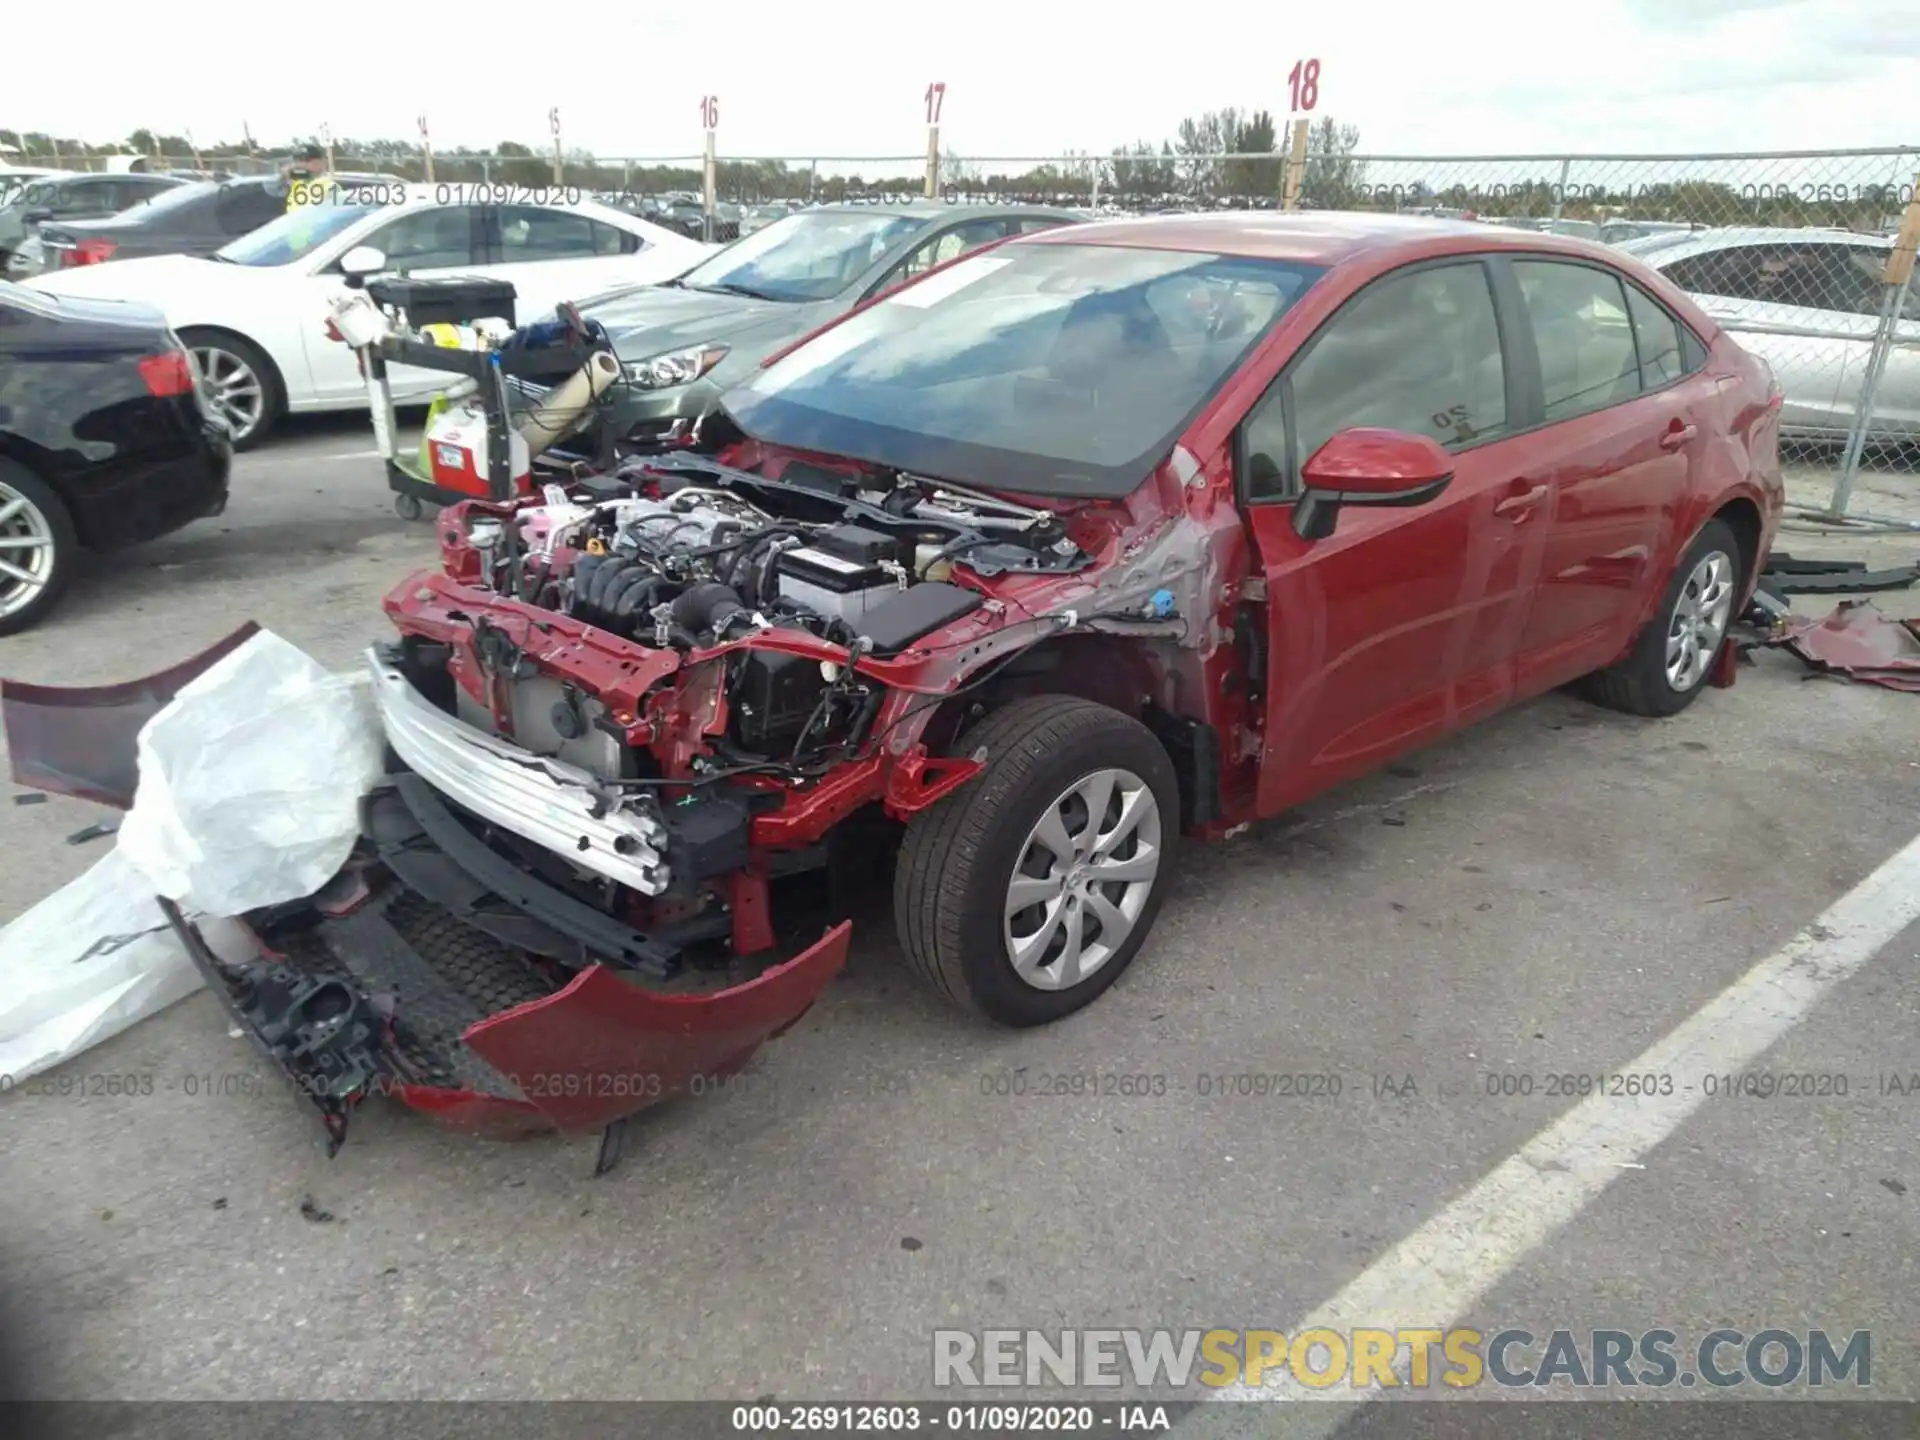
(1742, 516)
(1139, 677)
(278, 375)
(1120, 672)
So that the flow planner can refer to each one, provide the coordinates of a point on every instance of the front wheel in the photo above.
(1670, 661)
(1024, 895)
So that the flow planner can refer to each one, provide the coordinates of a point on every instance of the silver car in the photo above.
(1808, 303)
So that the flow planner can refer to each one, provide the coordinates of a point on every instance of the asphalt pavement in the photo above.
(1549, 894)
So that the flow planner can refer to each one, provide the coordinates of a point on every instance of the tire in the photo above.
(1646, 683)
(240, 384)
(38, 538)
(951, 887)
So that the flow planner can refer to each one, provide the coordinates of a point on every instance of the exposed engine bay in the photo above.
(685, 554)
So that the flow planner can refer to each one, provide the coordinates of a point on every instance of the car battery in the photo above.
(846, 570)
(456, 451)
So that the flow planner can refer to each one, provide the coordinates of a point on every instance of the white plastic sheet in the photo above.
(249, 791)
(251, 780)
(82, 965)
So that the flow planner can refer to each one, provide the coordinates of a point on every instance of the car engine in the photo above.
(689, 554)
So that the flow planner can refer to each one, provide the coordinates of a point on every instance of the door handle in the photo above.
(1521, 503)
(1678, 436)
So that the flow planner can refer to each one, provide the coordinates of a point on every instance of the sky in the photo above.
(1022, 79)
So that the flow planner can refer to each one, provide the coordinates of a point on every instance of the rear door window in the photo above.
(1733, 273)
(432, 238)
(529, 232)
(1588, 360)
(1656, 337)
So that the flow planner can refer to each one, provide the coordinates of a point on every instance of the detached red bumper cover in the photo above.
(389, 997)
(605, 1047)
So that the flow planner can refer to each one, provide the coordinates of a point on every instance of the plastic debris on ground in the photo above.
(88, 961)
(249, 789)
(251, 780)
(1858, 641)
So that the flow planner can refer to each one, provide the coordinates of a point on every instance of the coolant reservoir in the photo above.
(926, 567)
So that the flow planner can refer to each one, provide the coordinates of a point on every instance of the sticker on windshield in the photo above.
(938, 287)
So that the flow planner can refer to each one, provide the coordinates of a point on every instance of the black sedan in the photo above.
(103, 440)
(193, 219)
(71, 197)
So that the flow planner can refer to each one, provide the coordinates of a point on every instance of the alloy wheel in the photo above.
(27, 553)
(231, 390)
(1083, 877)
(1699, 621)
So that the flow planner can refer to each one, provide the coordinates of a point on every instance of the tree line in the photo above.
(1182, 167)
(1181, 170)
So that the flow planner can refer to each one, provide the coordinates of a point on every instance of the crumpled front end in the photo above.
(499, 951)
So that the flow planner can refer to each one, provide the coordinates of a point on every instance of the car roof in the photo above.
(1314, 237)
(930, 209)
(1706, 242)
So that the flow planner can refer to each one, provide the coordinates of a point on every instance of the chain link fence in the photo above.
(1797, 253)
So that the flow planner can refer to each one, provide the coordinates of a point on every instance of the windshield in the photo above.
(1045, 369)
(803, 257)
(297, 233)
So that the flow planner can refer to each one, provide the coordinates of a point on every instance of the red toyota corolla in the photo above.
(1103, 537)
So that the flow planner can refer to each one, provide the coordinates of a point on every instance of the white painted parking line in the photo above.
(1435, 1275)
(353, 455)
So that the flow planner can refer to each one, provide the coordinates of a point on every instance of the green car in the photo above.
(683, 343)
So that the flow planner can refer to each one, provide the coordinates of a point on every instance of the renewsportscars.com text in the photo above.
(1402, 1358)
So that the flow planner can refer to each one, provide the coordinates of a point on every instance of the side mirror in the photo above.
(1366, 466)
(360, 262)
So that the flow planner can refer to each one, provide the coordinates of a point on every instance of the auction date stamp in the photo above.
(1722, 1085)
(1208, 1084)
(493, 192)
(1817, 192)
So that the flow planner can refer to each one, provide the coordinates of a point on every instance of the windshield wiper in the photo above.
(727, 289)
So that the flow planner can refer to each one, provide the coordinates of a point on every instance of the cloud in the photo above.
(1480, 76)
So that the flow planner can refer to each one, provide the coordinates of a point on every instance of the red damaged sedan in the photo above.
(1083, 545)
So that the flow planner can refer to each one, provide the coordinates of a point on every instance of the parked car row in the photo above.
(65, 199)
(691, 322)
(252, 310)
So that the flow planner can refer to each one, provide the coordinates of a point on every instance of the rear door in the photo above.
(1624, 429)
(1404, 622)
(552, 255)
(426, 240)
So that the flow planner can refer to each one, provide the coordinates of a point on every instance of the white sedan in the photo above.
(254, 314)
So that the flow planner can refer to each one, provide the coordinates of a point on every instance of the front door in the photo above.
(1404, 622)
(427, 241)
